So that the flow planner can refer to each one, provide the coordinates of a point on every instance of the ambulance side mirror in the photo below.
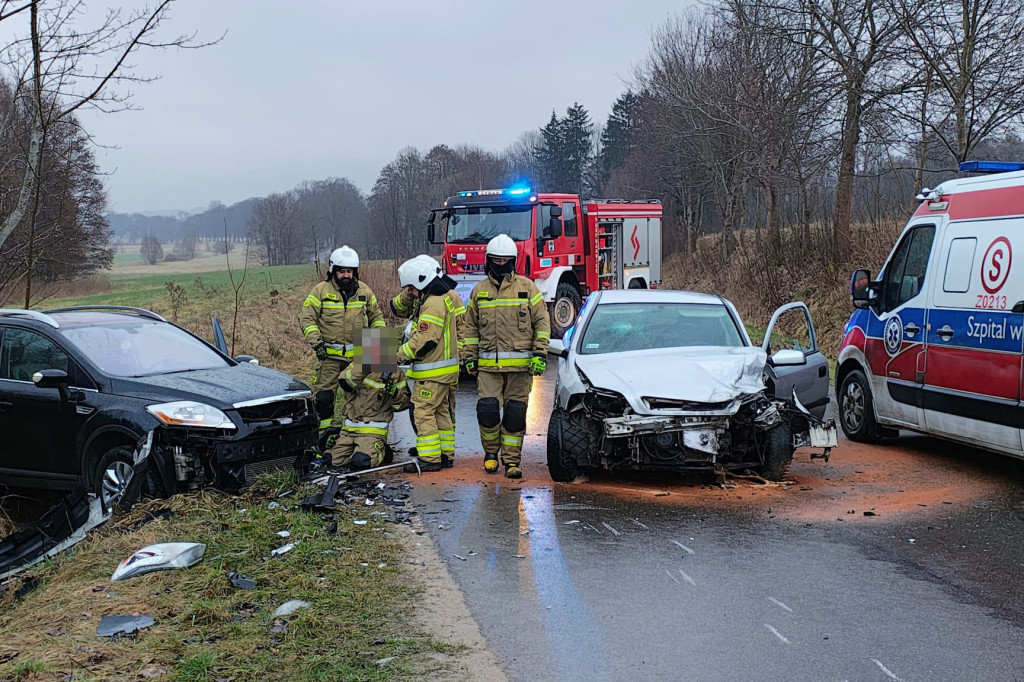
(861, 293)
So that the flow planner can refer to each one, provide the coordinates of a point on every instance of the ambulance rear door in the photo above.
(972, 380)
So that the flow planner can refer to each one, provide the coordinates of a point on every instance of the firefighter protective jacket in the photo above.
(329, 317)
(368, 409)
(433, 347)
(404, 306)
(505, 324)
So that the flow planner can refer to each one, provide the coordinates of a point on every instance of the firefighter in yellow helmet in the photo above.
(332, 317)
(432, 350)
(506, 344)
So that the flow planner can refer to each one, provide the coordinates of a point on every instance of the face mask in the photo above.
(500, 272)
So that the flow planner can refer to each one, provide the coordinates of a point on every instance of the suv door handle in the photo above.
(5, 405)
(911, 330)
(946, 333)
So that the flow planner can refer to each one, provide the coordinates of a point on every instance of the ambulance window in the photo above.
(569, 224)
(959, 265)
(904, 278)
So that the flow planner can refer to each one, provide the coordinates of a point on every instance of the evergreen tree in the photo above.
(549, 156)
(617, 137)
(565, 151)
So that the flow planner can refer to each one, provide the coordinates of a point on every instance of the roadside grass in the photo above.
(360, 603)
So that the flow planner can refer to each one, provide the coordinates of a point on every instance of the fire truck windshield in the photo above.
(479, 224)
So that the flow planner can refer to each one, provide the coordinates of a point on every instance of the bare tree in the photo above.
(972, 52)
(151, 249)
(278, 226)
(61, 68)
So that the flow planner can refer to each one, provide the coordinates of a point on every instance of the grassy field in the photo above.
(357, 625)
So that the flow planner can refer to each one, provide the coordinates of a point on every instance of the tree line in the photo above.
(772, 115)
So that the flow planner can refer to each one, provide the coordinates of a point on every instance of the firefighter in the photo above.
(332, 317)
(506, 345)
(403, 305)
(376, 389)
(432, 350)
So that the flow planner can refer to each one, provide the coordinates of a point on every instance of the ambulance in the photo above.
(934, 344)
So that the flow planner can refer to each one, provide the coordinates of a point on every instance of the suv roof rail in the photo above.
(33, 314)
(141, 312)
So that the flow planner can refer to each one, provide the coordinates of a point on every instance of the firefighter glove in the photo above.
(321, 351)
(537, 365)
(391, 389)
(471, 367)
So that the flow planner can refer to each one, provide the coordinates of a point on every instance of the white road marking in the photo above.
(682, 546)
(614, 532)
(640, 524)
(673, 577)
(687, 578)
(780, 604)
(777, 633)
(885, 670)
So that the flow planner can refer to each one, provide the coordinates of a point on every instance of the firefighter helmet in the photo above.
(502, 246)
(345, 257)
(418, 272)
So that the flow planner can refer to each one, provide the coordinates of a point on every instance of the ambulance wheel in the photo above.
(779, 454)
(565, 309)
(565, 442)
(856, 409)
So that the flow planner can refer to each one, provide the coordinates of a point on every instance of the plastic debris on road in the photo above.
(160, 557)
(122, 626)
(283, 550)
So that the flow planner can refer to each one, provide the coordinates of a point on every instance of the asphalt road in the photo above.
(645, 578)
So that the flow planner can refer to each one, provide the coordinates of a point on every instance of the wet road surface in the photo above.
(624, 577)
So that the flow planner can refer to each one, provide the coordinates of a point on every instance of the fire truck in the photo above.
(568, 246)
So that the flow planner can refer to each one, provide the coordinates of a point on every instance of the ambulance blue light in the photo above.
(991, 166)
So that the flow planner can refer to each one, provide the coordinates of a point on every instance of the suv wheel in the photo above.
(113, 478)
(856, 409)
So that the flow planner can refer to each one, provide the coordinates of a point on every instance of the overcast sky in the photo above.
(308, 89)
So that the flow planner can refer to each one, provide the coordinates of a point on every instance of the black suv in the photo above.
(126, 402)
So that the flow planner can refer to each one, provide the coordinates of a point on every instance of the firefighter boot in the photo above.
(425, 466)
(491, 463)
(513, 471)
(447, 461)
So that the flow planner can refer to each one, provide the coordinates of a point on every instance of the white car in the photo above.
(669, 380)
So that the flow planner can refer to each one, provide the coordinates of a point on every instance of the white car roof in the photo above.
(658, 296)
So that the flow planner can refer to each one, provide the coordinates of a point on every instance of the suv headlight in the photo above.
(189, 413)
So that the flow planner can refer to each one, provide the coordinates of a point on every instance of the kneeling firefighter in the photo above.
(432, 350)
(506, 345)
(332, 317)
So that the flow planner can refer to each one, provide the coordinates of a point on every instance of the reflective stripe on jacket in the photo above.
(433, 347)
(327, 316)
(505, 325)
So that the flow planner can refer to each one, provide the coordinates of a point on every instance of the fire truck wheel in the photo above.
(856, 409)
(565, 309)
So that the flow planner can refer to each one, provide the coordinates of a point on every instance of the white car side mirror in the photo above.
(787, 358)
(556, 347)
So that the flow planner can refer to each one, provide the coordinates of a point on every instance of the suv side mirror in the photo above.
(787, 358)
(53, 378)
(556, 347)
(246, 358)
(861, 293)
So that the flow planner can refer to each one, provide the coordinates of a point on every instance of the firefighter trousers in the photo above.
(348, 444)
(432, 409)
(502, 399)
(325, 388)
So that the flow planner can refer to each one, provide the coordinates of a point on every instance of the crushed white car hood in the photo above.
(700, 373)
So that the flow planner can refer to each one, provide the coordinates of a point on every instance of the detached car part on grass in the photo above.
(670, 381)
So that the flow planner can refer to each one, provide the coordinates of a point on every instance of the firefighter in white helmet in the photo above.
(506, 345)
(433, 353)
(404, 305)
(333, 317)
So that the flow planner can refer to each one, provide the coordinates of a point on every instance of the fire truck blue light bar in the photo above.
(991, 166)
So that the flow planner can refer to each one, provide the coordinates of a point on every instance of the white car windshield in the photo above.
(138, 348)
(618, 327)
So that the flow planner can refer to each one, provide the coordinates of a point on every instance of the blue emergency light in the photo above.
(513, 191)
(991, 166)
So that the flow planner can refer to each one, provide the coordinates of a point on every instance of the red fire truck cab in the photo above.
(568, 246)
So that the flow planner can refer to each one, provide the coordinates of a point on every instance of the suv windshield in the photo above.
(618, 327)
(478, 224)
(138, 348)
